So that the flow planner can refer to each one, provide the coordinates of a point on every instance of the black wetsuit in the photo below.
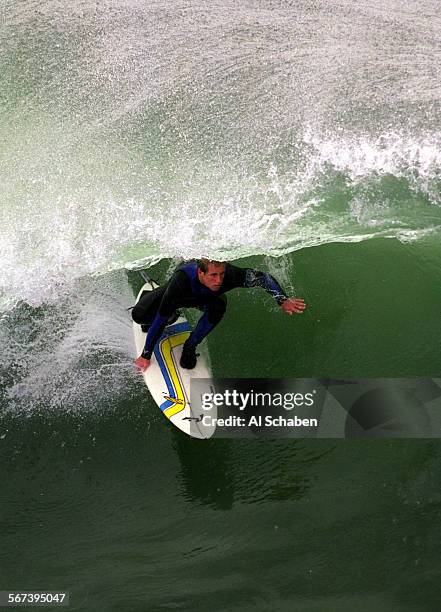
(184, 290)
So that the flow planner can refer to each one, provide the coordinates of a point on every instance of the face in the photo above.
(213, 277)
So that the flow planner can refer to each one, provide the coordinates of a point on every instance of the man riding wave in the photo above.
(200, 284)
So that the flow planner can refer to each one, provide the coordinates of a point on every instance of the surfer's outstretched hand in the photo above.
(293, 305)
(142, 364)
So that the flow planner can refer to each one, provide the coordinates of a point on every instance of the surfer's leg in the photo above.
(146, 308)
(213, 313)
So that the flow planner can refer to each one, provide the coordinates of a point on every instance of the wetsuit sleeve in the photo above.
(170, 301)
(249, 277)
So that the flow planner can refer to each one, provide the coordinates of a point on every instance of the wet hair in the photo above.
(204, 263)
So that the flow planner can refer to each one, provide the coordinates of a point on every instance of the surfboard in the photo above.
(167, 381)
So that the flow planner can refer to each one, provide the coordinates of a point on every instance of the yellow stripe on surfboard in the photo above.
(166, 347)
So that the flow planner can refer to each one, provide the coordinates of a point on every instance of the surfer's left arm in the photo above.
(257, 278)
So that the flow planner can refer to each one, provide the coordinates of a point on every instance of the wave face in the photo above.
(134, 133)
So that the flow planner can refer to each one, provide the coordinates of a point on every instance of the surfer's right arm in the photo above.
(169, 303)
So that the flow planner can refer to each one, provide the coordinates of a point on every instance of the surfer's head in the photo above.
(211, 273)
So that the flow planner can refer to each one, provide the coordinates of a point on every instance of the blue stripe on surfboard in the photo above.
(171, 330)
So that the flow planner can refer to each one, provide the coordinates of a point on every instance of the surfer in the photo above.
(200, 284)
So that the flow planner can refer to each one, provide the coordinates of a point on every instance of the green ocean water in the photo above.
(104, 498)
(303, 140)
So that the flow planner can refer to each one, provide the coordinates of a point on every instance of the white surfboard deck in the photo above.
(168, 383)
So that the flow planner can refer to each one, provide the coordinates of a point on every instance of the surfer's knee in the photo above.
(137, 314)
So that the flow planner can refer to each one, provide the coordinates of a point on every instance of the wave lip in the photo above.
(331, 188)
